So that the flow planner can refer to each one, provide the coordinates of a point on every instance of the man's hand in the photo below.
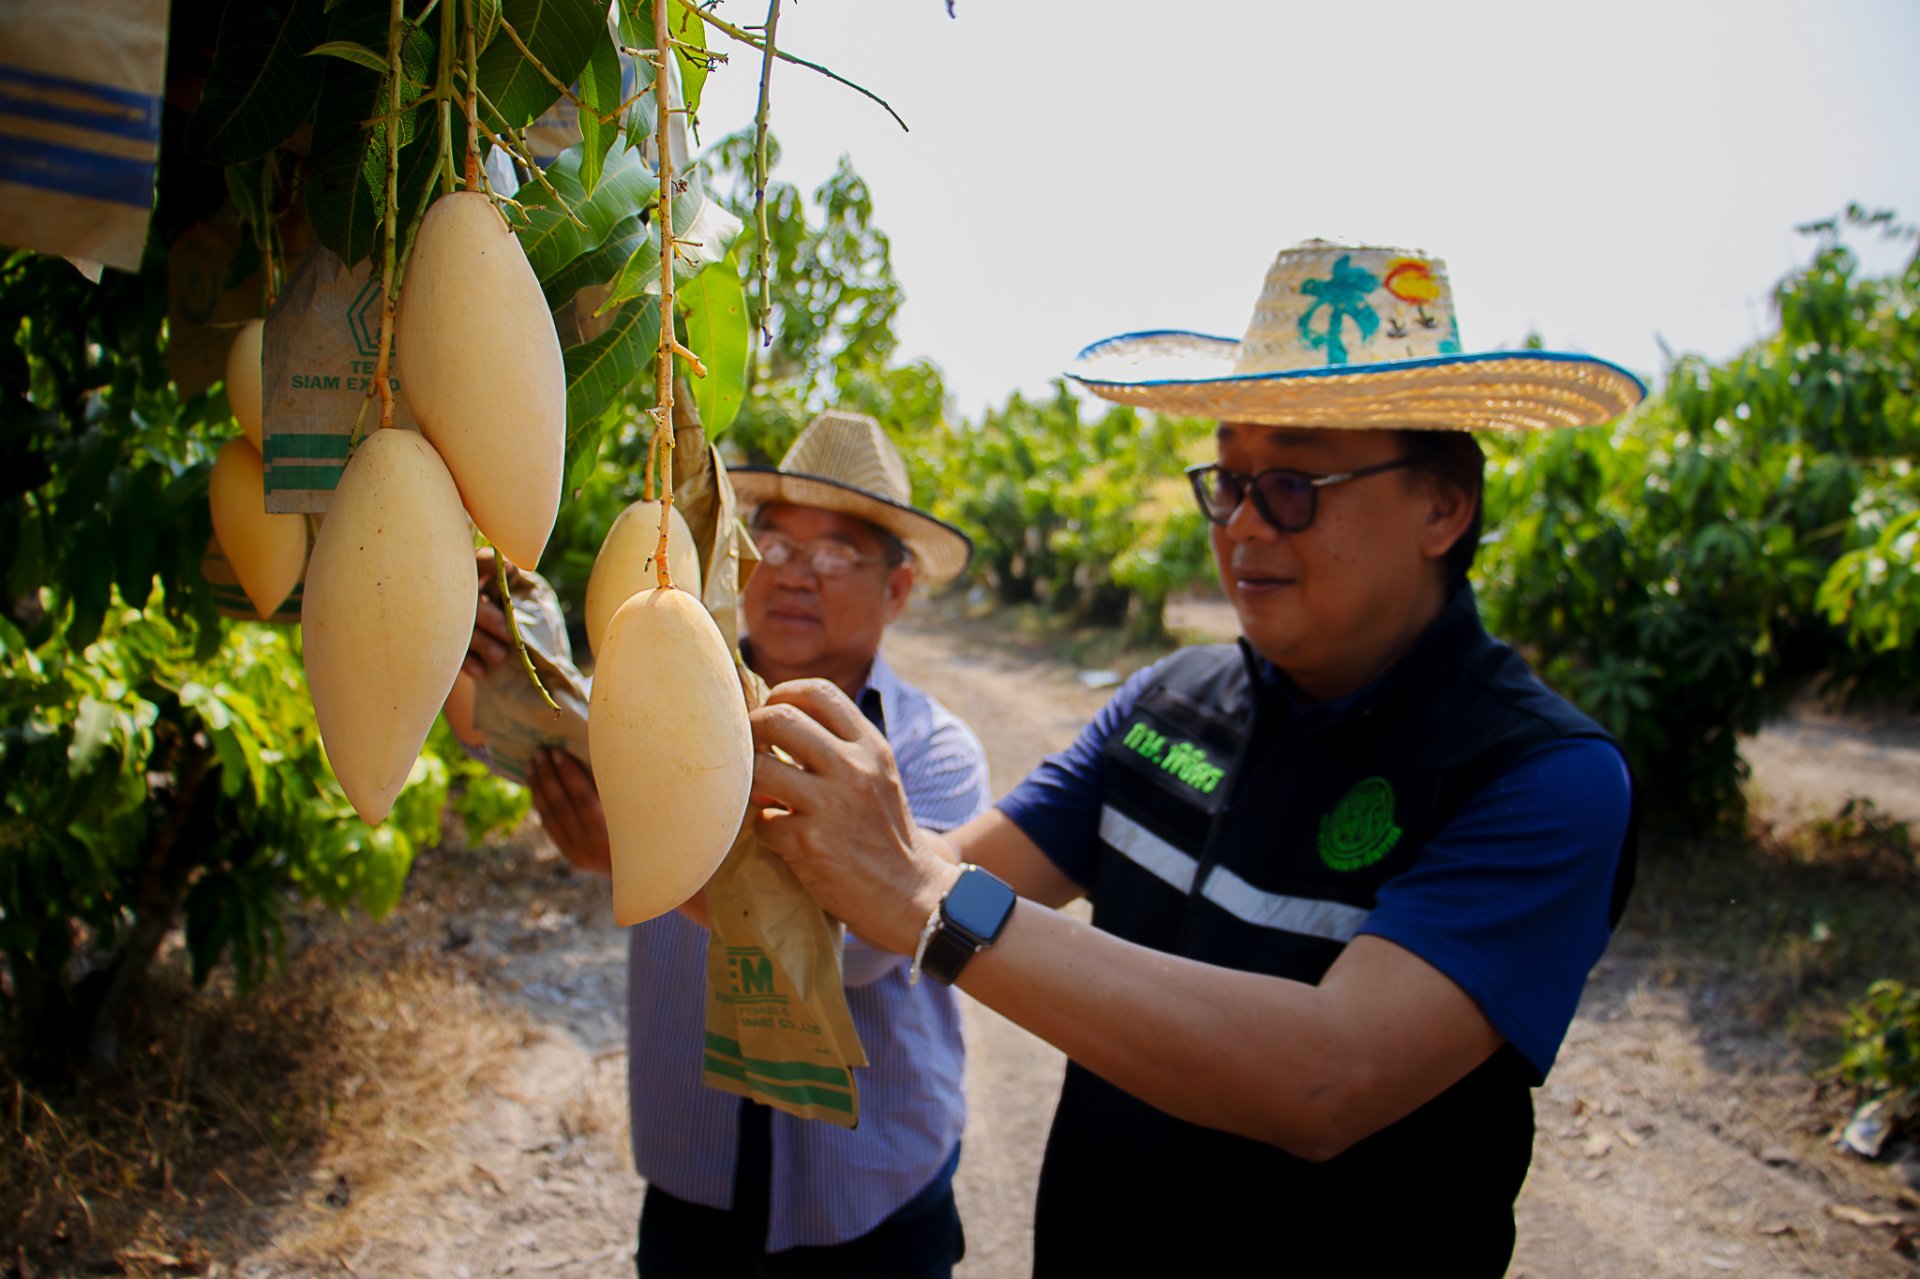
(569, 806)
(846, 829)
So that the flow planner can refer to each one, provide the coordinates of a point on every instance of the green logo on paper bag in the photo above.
(1360, 830)
(363, 318)
(750, 977)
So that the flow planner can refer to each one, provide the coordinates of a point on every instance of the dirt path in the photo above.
(1671, 1140)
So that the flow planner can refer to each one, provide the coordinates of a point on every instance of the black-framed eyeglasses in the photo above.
(1285, 499)
(826, 558)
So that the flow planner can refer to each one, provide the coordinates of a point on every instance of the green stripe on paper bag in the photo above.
(286, 479)
(286, 444)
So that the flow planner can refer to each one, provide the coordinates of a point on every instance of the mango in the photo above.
(244, 379)
(267, 552)
(624, 566)
(387, 614)
(480, 363)
(672, 751)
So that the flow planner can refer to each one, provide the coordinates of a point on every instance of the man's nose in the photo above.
(798, 570)
(1247, 524)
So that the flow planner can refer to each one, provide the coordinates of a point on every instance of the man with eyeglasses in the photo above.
(735, 1189)
(1348, 875)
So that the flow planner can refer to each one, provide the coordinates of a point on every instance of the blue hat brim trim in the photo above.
(1331, 370)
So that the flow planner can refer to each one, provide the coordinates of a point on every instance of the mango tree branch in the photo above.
(395, 29)
(764, 306)
(728, 29)
(662, 442)
(473, 117)
(513, 627)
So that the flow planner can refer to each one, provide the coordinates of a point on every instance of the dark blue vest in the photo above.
(1241, 832)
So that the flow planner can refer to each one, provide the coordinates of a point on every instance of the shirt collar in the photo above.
(880, 691)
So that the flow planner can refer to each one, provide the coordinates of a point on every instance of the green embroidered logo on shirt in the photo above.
(1360, 830)
(1188, 762)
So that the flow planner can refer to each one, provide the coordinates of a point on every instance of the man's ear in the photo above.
(899, 587)
(1450, 511)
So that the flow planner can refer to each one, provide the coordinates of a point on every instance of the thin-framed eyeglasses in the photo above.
(1286, 499)
(826, 558)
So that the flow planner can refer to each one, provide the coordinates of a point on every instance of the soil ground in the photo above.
(1675, 1139)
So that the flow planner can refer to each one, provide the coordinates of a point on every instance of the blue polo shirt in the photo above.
(1509, 901)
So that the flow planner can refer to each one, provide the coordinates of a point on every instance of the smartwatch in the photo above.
(969, 920)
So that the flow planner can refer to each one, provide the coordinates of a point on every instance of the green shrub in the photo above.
(1882, 1054)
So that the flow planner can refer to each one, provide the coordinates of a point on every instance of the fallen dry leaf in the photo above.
(1863, 1216)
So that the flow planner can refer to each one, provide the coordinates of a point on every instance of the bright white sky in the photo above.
(1608, 176)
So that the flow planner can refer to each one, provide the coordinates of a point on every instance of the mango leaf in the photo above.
(346, 187)
(560, 33)
(689, 28)
(356, 53)
(550, 238)
(261, 86)
(715, 304)
(599, 96)
(347, 175)
(707, 234)
(600, 370)
(596, 266)
(486, 23)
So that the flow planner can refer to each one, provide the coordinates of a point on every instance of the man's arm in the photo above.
(1311, 1069)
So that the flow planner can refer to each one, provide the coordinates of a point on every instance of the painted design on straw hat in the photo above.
(844, 462)
(1360, 337)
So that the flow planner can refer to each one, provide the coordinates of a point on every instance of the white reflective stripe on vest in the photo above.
(1146, 849)
(1335, 921)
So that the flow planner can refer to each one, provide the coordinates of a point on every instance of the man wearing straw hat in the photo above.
(735, 1188)
(1348, 876)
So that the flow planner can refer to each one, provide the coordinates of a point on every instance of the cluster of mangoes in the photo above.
(390, 599)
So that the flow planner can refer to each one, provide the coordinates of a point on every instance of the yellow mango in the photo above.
(460, 708)
(387, 613)
(267, 552)
(244, 379)
(624, 566)
(672, 752)
(480, 364)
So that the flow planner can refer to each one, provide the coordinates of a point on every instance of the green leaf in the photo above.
(93, 728)
(346, 188)
(260, 87)
(486, 23)
(641, 273)
(560, 33)
(600, 370)
(596, 266)
(347, 175)
(689, 28)
(600, 96)
(352, 52)
(550, 238)
(716, 311)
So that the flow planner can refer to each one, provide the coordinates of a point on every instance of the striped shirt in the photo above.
(830, 1184)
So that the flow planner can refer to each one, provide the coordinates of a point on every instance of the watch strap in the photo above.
(947, 945)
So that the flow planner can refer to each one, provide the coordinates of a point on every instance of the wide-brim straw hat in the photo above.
(1357, 337)
(844, 462)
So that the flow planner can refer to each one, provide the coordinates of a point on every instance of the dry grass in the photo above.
(323, 1093)
(1792, 923)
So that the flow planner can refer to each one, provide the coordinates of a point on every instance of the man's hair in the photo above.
(892, 549)
(1453, 458)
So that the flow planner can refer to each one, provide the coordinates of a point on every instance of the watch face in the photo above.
(978, 904)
